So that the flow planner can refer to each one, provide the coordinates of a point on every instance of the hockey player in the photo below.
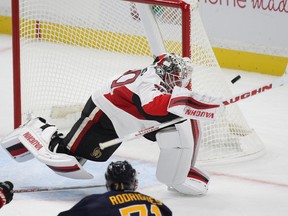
(136, 100)
(121, 198)
(6, 193)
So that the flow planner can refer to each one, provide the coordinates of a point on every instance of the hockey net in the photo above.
(65, 49)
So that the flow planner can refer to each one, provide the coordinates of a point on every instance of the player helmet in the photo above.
(173, 70)
(121, 176)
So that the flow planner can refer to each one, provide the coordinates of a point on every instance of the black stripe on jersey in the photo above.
(136, 100)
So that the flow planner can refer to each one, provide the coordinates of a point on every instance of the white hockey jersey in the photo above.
(134, 101)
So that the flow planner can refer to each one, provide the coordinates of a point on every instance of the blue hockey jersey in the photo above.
(118, 203)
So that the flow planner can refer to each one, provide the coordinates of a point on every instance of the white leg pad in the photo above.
(15, 148)
(174, 163)
(36, 141)
(176, 150)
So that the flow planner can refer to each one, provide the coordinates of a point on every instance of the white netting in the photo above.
(69, 47)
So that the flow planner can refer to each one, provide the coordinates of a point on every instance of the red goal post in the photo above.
(186, 19)
(184, 6)
(63, 50)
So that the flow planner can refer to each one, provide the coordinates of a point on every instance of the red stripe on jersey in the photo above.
(85, 129)
(122, 98)
(191, 102)
(158, 106)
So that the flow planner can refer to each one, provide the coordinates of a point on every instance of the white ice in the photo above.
(249, 188)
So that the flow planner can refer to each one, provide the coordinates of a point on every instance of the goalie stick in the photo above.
(235, 99)
(258, 90)
(53, 189)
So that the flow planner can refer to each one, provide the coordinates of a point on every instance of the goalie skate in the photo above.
(35, 136)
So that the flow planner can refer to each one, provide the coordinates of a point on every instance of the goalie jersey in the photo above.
(138, 97)
(118, 203)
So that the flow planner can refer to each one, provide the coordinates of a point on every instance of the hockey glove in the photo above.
(191, 105)
(6, 193)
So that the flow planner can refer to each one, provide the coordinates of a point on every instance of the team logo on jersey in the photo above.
(96, 153)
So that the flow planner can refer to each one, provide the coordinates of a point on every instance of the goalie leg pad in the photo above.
(35, 136)
(176, 150)
(15, 148)
(13, 145)
(176, 153)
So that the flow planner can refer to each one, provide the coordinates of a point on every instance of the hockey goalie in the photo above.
(136, 100)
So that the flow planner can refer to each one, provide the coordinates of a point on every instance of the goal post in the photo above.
(63, 50)
(16, 63)
(145, 13)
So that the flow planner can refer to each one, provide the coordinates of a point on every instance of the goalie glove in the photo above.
(6, 193)
(191, 105)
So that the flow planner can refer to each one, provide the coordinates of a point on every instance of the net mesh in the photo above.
(71, 47)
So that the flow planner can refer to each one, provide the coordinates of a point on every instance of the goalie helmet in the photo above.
(173, 70)
(121, 176)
